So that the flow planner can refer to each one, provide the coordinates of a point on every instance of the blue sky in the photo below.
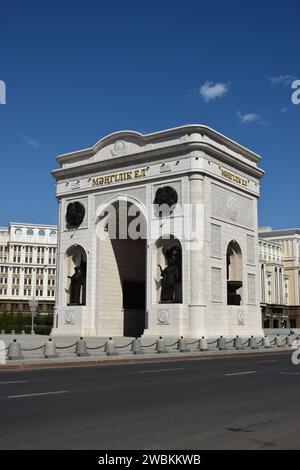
(76, 71)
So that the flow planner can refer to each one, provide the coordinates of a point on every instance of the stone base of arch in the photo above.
(167, 320)
(71, 321)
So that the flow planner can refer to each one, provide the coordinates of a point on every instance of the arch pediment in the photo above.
(127, 142)
(119, 144)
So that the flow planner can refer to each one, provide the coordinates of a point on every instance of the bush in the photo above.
(19, 322)
(44, 320)
(42, 329)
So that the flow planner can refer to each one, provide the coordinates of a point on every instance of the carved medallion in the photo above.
(233, 208)
(163, 316)
(166, 196)
(119, 148)
(69, 318)
(241, 320)
(75, 214)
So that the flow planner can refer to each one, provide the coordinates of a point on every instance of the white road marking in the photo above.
(266, 362)
(157, 370)
(14, 382)
(241, 373)
(288, 373)
(37, 394)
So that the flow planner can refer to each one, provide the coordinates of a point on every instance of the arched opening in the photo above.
(169, 270)
(234, 271)
(121, 278)
(76, 268)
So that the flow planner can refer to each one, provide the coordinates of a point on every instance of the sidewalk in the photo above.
(126, 357)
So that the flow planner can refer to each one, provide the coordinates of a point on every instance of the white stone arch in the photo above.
(115, 199)
(121, 264)
(235, 255)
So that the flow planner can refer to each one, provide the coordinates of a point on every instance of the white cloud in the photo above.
(249, 117)
(31, 142)
(210, 91)
(285, 80)
(284, 110)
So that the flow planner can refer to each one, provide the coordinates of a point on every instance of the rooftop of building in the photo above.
(269, 242)
(18, 232)
(268, 232)
(28, 225)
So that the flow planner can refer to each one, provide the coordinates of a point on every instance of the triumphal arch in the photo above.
(158, 236)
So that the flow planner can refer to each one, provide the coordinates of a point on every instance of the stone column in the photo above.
(45, 283)
(197, 301)
(33, 285)
(22, 277)
(9, 282)
(34, 255)
(23, 254)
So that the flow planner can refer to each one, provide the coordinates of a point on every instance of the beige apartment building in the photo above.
(279, 259)
(27, 267)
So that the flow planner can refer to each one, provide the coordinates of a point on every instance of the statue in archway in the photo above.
(233, 298)
(82, 267)
(233, 285)
(77, 282)
(171, 275)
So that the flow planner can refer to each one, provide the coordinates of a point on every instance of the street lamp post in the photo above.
(33, 304)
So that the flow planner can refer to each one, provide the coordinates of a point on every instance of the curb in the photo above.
(138, 360)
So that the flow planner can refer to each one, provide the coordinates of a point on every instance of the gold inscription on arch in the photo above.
(233, 177)
(119, 177)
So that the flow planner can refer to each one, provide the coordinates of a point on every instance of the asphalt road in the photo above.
(228, 403)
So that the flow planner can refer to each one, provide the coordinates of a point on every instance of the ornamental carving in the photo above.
(165, 197)
(233, 208)
(119, 148)
(75, 214)
(163, 316)
(69, 318)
